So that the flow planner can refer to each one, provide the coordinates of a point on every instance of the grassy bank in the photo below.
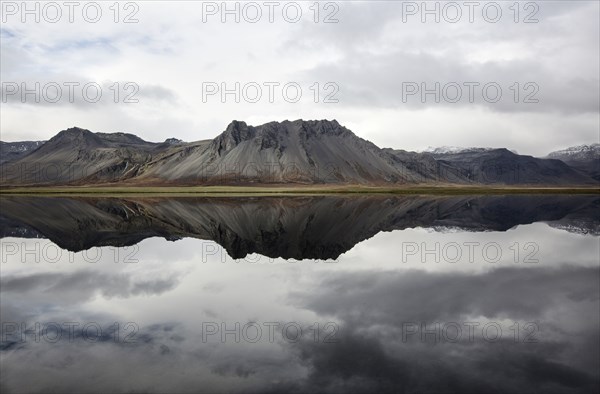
(291, 190)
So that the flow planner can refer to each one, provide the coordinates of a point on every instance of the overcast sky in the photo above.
(365, 65)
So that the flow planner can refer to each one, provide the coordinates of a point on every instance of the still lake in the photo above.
(300, 294)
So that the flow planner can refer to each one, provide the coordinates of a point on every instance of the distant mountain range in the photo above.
(585, 158)
(10, 151)
(442, 150)
(297, 152)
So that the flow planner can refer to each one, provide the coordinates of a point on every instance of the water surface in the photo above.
(311, 293)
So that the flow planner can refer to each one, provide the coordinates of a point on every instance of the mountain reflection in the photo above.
(302, 227)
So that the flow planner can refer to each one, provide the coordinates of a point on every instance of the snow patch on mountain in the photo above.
(445, 150)
(579, 152)
(21, 146)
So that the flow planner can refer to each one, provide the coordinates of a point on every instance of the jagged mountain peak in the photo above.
(269, 134)
(236, 126)
(317, 122)
(322, 125)
(236, 132)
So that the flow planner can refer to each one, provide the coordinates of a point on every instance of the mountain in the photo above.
(442, 150)
(300, 227)
(585, 158)
(10, 151)
(501, 166)
(77, 156)
(452, 149)
(436, 170)
(298, 152)
(577, 153)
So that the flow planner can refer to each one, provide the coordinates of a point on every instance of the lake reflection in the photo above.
(297, 294)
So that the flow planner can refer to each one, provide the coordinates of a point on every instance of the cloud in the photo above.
(394, 298)
(364, 363)
(403, 80)
(83, 285)
(169, 52)
(368, 307)
(372, 353)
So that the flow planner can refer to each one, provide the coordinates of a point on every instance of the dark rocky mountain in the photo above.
(585, 158)
(300, 152)
(501, 166)
(297, 152)
(319, 227)
(76, 156)
(10, 151)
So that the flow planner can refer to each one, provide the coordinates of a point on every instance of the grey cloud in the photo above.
(371, 355)
(362, 24)
(378, 81)
(363, 363)
(82, 285)
(394, 298)
(234, 370)
(157, 93)
(374, 65)
(358, 23)
(81, 93)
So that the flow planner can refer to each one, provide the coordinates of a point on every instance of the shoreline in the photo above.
(291, 190)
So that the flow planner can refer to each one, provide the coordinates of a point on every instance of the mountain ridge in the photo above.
(585, 158)
(10, 151)
(299, 151)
